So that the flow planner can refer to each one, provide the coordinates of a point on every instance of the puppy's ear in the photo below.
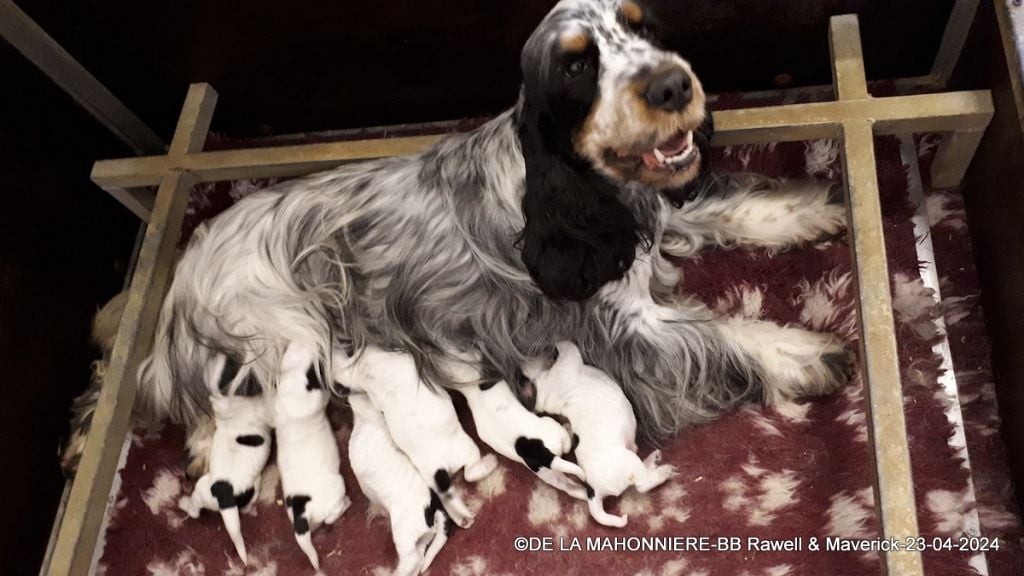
(569, 356)
(578, 236)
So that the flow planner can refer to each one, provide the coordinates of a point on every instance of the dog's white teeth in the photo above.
(661, 157)
(689, 138)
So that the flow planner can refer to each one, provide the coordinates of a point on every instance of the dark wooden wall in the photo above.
(286, 66)
(283, 67)
(994, 195)
(64, 248)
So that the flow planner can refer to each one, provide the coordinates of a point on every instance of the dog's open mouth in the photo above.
(672, 155)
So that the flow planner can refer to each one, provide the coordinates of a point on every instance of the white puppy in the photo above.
(603, 420)
(241, 447)
(538, 442)
(419, 526)
(307, 451)
(421, 421)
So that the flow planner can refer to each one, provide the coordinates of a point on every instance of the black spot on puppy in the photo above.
(231, 368)
(487, 386)
(313, 379)
(575, 442)
(243, 499)
(442, 480)
(224, 493)
(298, 505)
(340, 388)
(533, 452)
(250, 440)
(432, 508)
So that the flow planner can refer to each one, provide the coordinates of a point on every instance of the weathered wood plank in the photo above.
(54, 61)
(894, 488)
(925, 113)
(76, 540)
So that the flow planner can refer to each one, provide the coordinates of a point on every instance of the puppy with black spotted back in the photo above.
(307, 450)
(537, 442)
(419, 525)
(603, 420)
(421, 420)
(240, 449)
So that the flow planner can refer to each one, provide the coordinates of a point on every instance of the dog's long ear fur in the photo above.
(578, 235)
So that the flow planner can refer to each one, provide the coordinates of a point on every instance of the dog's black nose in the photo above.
(669, 90)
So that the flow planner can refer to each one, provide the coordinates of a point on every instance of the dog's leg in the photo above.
(440, 536)
(596, 505)
(755, 211)
(480, 469)
(651, 473)
(559, 481)
(792, 362)
(680, 364)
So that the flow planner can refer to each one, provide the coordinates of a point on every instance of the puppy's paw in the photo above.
(481, 468)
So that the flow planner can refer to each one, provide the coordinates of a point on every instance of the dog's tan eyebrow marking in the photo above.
(574, 42)
(632, 12)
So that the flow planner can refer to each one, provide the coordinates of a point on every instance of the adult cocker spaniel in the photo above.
(548, 223)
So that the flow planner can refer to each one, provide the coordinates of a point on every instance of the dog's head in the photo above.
(602, 106)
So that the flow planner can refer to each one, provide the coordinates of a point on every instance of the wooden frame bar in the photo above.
(894, 486)
(87, 502)
(54, 61)
(855, 118)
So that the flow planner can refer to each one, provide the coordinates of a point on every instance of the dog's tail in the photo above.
(441, 529)
(233, 526)
(559, 464)
(295, 505)
(305, 541)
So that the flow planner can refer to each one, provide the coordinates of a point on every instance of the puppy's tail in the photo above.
(296, 507)
(442, 528)
(233, 525)
(305, 541)
(559, 464)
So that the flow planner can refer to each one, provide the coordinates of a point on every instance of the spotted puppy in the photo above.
(603, 420)
(538, 442)
(307, 451)
(241, 447)
(419, 524)
(421, 420)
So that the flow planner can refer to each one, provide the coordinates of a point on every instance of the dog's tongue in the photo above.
(669, 148)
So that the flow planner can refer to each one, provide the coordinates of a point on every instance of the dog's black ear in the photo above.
(578, 236)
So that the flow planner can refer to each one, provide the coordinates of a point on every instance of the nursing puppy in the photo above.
(603, 419)
(307, 451)
(537, 442)
(421, 420)
(240, 449)
(419, 525)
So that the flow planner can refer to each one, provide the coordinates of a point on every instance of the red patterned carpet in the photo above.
(800, 471)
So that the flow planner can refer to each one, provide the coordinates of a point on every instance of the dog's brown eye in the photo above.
(575, 68)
